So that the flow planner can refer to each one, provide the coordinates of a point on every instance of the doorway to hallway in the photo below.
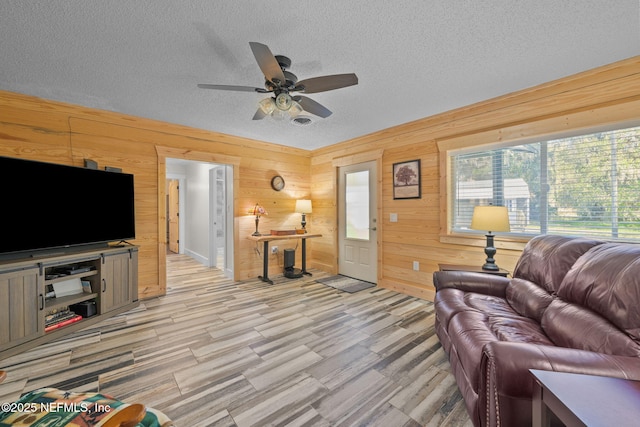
(198, 207)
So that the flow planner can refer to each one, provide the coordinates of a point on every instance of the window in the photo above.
(586, 185)
(357, 205)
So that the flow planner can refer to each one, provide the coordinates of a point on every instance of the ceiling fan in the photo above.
(283, 84)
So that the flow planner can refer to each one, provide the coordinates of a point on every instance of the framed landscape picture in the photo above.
(406, 180)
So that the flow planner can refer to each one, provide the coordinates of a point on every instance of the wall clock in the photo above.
(277, 183)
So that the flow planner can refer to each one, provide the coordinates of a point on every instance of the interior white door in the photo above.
(357, 207)
(173, 216)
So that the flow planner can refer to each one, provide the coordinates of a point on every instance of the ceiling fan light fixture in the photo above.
(283, 101)
(267, 105)
(295, 109)
(280, 82)
(279, 115)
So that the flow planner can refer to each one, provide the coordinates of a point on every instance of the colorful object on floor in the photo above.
(51, 407)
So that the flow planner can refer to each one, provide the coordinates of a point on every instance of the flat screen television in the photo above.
(50, 206)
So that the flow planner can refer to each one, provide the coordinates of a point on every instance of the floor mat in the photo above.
(346, 284)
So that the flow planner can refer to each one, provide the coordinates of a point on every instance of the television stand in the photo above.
(45, 298)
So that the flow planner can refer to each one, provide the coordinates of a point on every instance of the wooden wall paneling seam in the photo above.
(359, 157)
(144, 126)
(162, 223)
(549, 127)
(201, 156)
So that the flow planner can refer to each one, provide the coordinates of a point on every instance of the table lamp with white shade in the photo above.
(304, 207)
(490, 219)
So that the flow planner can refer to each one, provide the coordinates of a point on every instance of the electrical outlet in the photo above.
(274, 249)
(416, 265)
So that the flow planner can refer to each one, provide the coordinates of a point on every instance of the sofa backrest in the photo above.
(546, 259)
(597, 307)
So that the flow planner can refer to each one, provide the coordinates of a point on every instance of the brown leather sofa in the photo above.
(573, 305)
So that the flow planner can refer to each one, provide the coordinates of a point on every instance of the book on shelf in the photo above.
(62, 323)
(56, 314)
(59, 318)
(86, 286)
(67, 287)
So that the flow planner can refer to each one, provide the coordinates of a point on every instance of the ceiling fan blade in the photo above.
(325, 83)
(311, 106)
(268, 63)
(259, 115)
(234, 88)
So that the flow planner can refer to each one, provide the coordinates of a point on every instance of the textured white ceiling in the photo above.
(413, 58)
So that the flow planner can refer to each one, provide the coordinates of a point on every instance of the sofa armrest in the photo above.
(507, 383)
(468, 281)
(509, 363)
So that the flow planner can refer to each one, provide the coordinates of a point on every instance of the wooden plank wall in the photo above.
(38, 129)
(606, 95)
(43, 130)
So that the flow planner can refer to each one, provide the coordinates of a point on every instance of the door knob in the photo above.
(373, 228)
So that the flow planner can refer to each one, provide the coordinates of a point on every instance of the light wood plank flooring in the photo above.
(214, 352)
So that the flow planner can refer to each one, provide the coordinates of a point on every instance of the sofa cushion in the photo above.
(547, 259)
(527, 298)
(469, 329)
(518, 329)
(569, 325)
(449, 302)
(606, 281)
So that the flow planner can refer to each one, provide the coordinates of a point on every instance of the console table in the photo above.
(266, 238)
(584, 400)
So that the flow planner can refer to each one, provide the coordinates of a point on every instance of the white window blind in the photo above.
(586, 185)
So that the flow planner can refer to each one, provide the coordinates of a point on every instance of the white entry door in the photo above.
(357, 207)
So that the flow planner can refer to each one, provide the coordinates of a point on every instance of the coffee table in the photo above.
(584, 400)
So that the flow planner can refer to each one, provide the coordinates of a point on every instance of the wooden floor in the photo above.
(214, 352)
